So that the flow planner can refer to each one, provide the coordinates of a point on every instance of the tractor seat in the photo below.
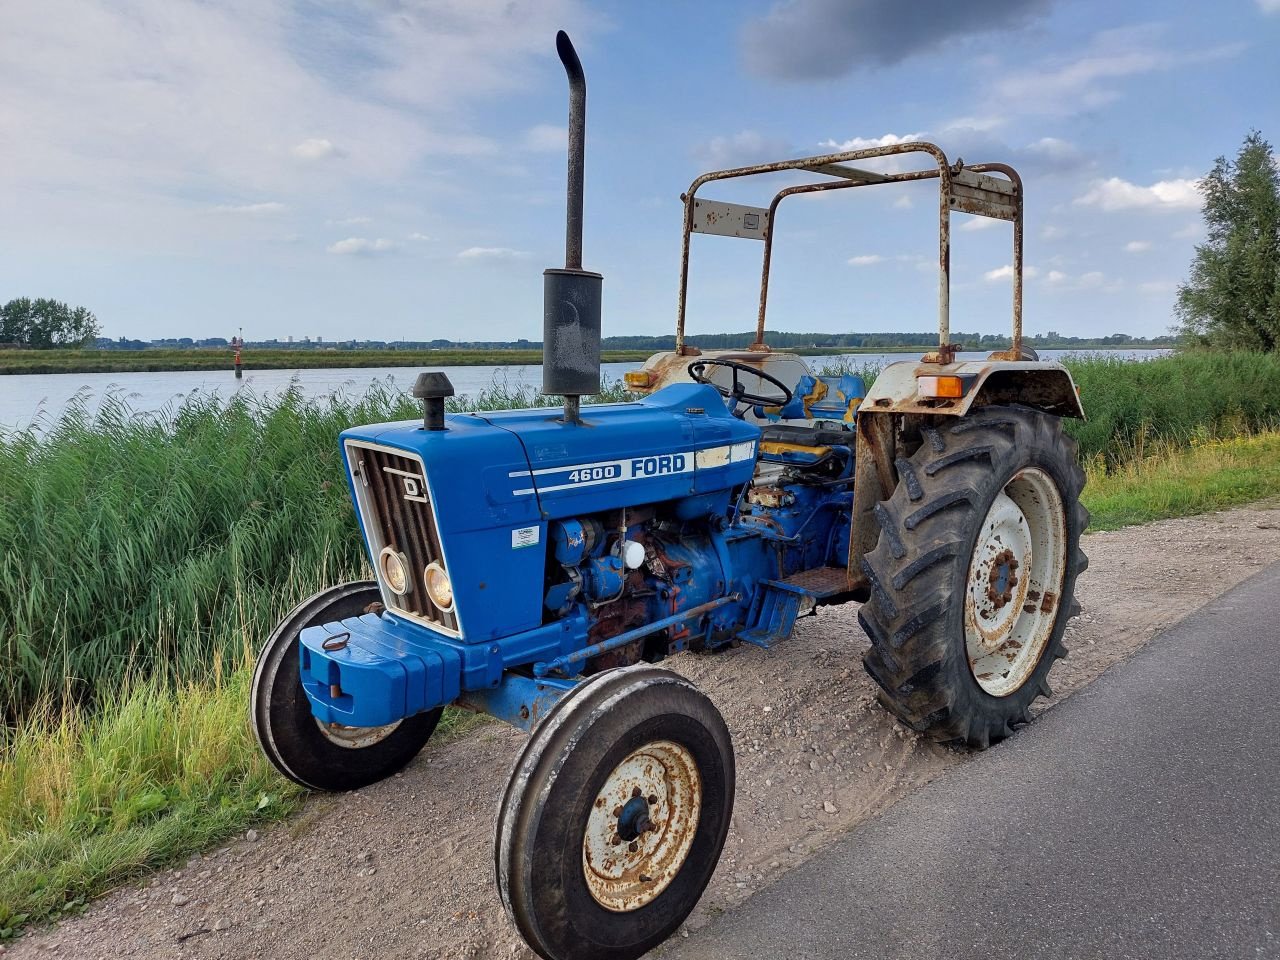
(802, 445)
(819, 398)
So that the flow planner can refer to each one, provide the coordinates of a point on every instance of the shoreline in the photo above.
(42, 362)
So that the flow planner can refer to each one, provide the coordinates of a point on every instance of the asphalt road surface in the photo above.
(1139, 819)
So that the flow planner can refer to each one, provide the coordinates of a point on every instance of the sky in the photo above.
(394, 169)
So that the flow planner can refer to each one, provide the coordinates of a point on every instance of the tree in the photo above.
(45, 323)
(1232, 299)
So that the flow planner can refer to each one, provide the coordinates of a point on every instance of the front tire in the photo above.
(973, 577)
(316, 756)
(615, 816)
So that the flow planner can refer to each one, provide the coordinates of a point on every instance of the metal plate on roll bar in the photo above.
(730, 219)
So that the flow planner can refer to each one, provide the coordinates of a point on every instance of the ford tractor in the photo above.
(537, 565)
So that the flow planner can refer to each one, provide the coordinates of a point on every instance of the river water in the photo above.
(41, 398)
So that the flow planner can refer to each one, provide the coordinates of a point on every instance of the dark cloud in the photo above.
(821, 39)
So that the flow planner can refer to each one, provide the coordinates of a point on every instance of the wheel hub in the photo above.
(641, 826)
(1015, 576)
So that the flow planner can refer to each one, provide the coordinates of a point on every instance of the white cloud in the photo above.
(1092, 279)
(1052, 232)
(1089, 80)
(975, 124)
(1055, 277)
(315, 148)
(361, 245)
(418, 236)
(546, 138)
(866, 143)
(1157, 287)
(904, 202)
(349, 221)
(866, 260)
(145, 104)
(1192, 232)
(1006, 273)
(491, 253)
(253, 209)
(742, 148)
(972, 224)
(1117, 194)
(1137, 246)
(1269, 6)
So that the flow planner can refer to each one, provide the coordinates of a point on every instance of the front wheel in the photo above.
(325, 756)
(615, 816)
(973, 577)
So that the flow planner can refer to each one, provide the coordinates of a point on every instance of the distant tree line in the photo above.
(710, 341)
(43, 323)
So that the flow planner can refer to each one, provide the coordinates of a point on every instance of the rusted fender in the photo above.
(1041, 384)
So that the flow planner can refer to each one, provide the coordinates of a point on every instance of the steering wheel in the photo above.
(738, 393)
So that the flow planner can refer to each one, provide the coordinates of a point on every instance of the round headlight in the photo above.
(395, 571)
(439, 589)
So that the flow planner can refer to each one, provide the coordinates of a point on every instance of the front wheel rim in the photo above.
(642, 826)
(356, 738)
(1014, 582)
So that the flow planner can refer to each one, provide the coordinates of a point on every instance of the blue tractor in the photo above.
(537, 564)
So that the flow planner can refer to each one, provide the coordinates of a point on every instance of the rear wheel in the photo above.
(615, 816)
(317, 755)
(973, 577)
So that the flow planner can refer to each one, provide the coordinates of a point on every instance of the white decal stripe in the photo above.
(702, 459)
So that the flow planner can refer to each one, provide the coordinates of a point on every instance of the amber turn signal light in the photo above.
(949, 388)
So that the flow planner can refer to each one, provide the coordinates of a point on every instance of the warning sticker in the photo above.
(524, 537)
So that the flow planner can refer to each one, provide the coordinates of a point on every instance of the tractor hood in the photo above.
(492, 481)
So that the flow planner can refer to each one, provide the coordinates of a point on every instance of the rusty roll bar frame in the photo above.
(964, 187)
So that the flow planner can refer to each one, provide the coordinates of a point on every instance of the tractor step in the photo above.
(822, 582)
(780, 602)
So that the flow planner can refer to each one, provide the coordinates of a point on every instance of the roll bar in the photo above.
(969, 188)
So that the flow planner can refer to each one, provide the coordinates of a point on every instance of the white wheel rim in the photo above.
(356, 738)
(1014, 584)
(625, 865)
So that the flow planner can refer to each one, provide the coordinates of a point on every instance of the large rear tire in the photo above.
(973, 577)
(615, 816)
(325, 756)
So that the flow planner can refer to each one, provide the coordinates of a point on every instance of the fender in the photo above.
(1040, 384)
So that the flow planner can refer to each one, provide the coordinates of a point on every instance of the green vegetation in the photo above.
(1232, 299)
(43, 324)
(143, 559)
(1178, 481)
(616, 350)
(209, 358)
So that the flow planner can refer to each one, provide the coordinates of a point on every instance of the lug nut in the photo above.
(653, 798)
(617, 811)
(616, 840)
(633, 846)
(635, 791)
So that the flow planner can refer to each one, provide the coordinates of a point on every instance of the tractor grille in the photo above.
(396, 508)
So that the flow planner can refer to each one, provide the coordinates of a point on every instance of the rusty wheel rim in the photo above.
(356, 738)
(1014, 582)
(642, 826)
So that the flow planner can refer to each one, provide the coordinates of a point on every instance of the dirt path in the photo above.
(404, 868)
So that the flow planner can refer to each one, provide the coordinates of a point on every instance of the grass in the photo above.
(1177, 481)
(144, 558)
(219, 358)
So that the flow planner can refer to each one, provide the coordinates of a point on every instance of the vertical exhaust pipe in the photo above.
(571, 296)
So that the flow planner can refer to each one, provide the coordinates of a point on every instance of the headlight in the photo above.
(439, 589)
(395, 571)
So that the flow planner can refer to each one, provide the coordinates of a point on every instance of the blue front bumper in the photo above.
(373, 670)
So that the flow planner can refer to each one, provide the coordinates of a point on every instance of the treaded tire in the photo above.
(543, 818)
(918, 571)
(281, 714)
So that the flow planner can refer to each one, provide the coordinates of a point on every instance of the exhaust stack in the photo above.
(571, 295)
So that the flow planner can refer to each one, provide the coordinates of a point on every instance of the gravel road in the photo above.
(404, 868)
